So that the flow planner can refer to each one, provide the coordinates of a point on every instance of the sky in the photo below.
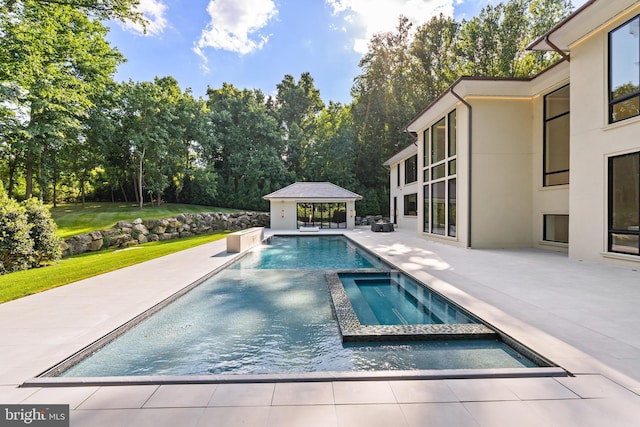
(253, 44)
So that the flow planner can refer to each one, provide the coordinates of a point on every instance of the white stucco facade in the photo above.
(399, 215)
(594, 140)
(496, 179)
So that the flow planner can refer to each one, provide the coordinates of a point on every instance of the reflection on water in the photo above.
(253, 320)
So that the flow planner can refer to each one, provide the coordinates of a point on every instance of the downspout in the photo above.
(470, 157)
(557, 49)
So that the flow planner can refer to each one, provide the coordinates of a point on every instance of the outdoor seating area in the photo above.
(384, 227)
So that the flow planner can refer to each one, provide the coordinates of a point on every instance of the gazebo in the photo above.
(312, 206)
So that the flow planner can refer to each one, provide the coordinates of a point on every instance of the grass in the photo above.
(75, 219)
(22, 283)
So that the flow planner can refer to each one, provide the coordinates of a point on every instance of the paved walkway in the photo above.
(583, 316)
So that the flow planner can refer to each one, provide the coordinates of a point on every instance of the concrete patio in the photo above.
(582, 316)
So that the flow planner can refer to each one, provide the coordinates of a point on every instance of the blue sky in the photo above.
(254, 43)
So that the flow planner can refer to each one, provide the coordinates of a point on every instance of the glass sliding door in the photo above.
(323, 215)
(624, 204)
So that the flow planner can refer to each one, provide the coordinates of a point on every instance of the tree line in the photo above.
(69, 132)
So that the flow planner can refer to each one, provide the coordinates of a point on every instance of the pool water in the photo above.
(308, 253)
(395, 299)
(271, 313)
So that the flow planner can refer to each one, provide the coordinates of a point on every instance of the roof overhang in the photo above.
(582, 22)
(313, 192)
(466, 87)
(405, 153)
(488, 88)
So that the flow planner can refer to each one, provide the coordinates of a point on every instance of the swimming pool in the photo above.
(271, 312)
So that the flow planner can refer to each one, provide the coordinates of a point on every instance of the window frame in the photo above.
(441, 174)
(547, 121)
(636, 94)
(406, 204)
(611, 231)
(544, 229)
(411, 169)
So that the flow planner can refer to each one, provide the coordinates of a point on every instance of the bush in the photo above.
(16, 245)
(46, 244)
(27, 234)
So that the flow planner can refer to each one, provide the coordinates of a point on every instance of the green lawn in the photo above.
(22, 283)
(74, 219)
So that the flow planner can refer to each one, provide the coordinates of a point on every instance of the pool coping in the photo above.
(436, 374)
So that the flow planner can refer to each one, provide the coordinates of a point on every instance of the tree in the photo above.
(384, 102)
(297, 107)
(106, 132)
(493, 43)
(331, 155)
(190, 134)
(58, 58)
(434, 64)
(251, 147)
(145, 125)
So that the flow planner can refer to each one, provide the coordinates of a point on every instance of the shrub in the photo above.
(46, 244)
(16, 245)
(27, 234)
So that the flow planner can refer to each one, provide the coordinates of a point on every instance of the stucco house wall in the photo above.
(399, 189)
(501, 174)
(549, 200)
(501, 193)
(283, 214)
(506, 149)
(594, 140)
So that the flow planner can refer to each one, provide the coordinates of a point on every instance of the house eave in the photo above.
(580, 24)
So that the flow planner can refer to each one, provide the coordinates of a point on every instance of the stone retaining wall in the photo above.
(126, 234)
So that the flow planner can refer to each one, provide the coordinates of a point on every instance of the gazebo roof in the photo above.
(313, 191)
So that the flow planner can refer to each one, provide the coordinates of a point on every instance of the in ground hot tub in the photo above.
(382, 305)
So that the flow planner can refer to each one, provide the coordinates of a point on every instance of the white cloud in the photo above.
(235, 26)
(154, 12)
(369, 17)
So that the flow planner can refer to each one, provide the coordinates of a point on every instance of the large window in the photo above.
(624, 204)
(624, 71)
(323, 215)
(411, 204)
(439, 175)
(556, 137)
(411, 169)
(425, 148)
